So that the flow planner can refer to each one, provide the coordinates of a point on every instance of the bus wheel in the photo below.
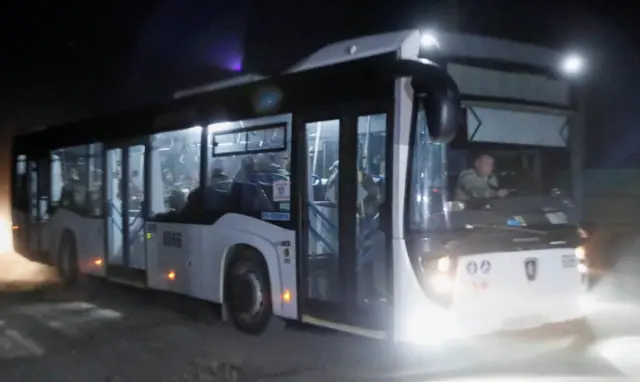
(249, 297)
(67, 264)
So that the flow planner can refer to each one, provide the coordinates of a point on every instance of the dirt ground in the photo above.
(106, 332)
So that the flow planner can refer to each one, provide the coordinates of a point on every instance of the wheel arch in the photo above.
(268, 257)
(65, 232)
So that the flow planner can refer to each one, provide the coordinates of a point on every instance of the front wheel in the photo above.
(67, 261)
(249, 296)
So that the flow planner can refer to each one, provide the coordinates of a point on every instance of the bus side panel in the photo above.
(89, 236)
(20, 221)
(175, 259)
(269, 240)
(196, 254)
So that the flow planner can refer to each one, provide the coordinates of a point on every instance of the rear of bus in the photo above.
(20, 197)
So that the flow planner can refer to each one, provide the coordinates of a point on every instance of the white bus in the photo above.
(320, 195)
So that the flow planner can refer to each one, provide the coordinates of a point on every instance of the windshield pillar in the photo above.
(577, 146)
(427, 186)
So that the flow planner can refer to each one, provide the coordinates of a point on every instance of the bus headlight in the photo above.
(581, 253)
(438, 274)
(444, 264)
(441, 283)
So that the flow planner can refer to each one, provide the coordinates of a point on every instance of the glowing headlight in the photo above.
(441, 283)
(443, 264)
(581, 253)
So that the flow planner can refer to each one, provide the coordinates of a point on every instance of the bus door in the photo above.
(126, 210)
(342, 246)
(32, 181)
(20, 205)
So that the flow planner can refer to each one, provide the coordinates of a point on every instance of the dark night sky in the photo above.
(68, 59)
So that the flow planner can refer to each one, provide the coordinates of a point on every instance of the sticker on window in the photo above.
(276, 216)
(281, 191)
(557, 218)
(286, 206)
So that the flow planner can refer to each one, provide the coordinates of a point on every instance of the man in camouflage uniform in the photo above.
(479, 181)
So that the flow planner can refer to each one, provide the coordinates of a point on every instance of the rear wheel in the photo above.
(249, 294)
(67, 261)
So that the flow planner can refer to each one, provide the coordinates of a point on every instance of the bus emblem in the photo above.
(531, 268)
(472, 267)
(485, 266)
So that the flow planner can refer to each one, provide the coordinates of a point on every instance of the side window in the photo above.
(69, 178)
(96, 170)
(175, 170)
(44, 188)
(20, 192)
(33, 189)
(249, 167)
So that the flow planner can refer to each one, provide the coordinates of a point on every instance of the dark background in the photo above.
(66, 60)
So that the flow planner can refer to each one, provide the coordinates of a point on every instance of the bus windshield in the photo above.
(465, 183)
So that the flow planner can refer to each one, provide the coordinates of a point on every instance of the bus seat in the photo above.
(244, 195)
(318, 188)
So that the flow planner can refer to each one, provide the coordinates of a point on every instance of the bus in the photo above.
(320, 195)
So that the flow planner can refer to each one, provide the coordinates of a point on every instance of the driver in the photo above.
(479, 181)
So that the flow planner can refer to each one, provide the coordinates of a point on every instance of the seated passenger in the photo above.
(331, 191)
(246, 172)
(218, 177)
(479, 181)
(267, 164)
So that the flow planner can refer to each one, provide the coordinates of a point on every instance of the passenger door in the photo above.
(335, 235)
(126, 211)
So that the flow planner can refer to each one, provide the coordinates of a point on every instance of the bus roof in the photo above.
(467, 46)
(405, 43)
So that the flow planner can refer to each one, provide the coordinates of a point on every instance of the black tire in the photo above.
(249, 294)
(67, 260)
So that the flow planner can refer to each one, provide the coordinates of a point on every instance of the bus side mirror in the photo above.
(440, 98)
(442, 110)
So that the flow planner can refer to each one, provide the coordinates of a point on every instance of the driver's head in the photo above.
(484, 164)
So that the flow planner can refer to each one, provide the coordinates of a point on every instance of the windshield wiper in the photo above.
(503, 228)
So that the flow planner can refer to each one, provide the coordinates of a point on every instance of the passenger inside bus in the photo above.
(240, 182)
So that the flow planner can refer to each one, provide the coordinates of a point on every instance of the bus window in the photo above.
(96, 169)
(20, 187)
(69, 178)
(175, 164)
(249, 167)
(43, 185)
